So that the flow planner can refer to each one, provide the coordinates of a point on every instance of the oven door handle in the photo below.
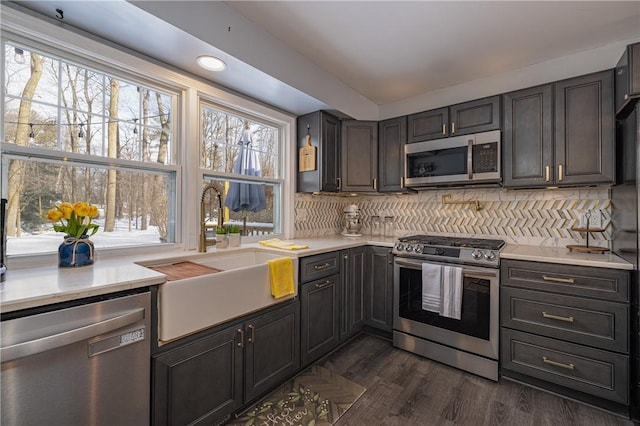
(465, 272)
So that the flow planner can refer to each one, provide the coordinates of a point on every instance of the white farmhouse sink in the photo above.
(192, 304)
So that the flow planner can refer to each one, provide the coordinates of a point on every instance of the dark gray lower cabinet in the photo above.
(353, 291)
(204, 381)
(379, 294)
(565, 328)
(319, 317)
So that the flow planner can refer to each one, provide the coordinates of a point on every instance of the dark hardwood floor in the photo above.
(406, 389)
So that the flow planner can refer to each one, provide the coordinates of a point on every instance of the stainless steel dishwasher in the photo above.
(81, 365)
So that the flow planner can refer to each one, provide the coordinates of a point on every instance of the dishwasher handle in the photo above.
(32, 347)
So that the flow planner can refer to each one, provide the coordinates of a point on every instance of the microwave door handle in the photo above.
(470, 159)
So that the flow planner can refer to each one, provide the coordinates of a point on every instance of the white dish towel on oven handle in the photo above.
(431, 287)
(451, 292)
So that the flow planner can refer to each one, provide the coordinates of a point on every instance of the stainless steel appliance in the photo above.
(83, 365)
(458, 160)
(470, 343)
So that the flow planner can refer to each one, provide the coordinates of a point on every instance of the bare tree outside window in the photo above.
(99, 138)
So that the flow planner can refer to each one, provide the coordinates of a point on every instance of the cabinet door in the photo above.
(200, 381)
(319, 317)
(272, 349)
(527, 138)
(428, 125)
(353, 290)
(330, 153)
(584, 136)
(481, 115)
(627, 81)
(359, 156)
(324, 130)
(379, 296)
(392, 136)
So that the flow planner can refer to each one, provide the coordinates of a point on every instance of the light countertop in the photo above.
(563, 256)
(32, 287)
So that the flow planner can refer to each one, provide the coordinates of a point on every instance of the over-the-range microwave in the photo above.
(458, 160)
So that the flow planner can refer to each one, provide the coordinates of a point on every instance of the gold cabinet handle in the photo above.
(323, 285)
(557, 317)
(321, 267)
(558, 280)
(252, 336)
(444, 129)
(241, 333)
(547, 173)
(402, 182)
(453, 127)
(375, 184)
(558, 364)
(559, 172)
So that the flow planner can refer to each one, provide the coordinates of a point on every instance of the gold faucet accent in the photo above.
(446, 199)
(204, 242)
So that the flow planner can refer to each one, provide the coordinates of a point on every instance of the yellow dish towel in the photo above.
(284, 245)
(281, 277)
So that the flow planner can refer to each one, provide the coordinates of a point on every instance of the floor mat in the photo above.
(316, 396)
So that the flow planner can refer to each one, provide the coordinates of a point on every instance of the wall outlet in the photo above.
(595, 220)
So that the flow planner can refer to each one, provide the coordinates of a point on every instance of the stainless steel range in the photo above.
(468, 339)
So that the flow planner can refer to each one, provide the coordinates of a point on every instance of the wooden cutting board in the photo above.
(182, 270)
(307, 157)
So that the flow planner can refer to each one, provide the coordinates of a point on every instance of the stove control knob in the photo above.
(476, 254)
(489, 255)
(418, 249)
(409, 248)
(399, 246)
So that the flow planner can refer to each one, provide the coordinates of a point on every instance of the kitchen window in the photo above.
(71, 133)
(242, 154)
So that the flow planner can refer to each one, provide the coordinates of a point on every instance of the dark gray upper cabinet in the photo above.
(392, 136)
(480, 115)
(527, 137)
(359, 156)
(585, 130)
(476, 116)
(325, 132)
(379, 295)
(560, 134)
(428, 125)
(627, 80)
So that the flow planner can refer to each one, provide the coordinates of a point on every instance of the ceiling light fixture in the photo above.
(211, 63)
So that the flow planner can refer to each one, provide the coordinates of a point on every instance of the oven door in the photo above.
(476, 331)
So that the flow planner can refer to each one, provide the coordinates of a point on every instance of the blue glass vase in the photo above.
(75, 252)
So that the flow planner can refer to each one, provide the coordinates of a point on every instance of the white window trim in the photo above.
(16, 25)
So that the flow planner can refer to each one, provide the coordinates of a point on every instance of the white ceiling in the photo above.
(391, 50)
(353, 56)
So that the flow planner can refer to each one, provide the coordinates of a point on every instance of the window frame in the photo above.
(92, 51)
(278, 179)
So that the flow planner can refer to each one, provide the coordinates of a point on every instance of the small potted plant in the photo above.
(221, 238)
(234, 235)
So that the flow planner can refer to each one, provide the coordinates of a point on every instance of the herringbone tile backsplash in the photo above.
(535, 217)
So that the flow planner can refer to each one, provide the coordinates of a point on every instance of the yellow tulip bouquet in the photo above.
(75, 219)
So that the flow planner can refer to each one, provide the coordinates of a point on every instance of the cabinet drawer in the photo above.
(593, 371)
(318, 266)
(586, 321)
(601, 283)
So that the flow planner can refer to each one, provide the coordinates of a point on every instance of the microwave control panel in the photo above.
(485, 157)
